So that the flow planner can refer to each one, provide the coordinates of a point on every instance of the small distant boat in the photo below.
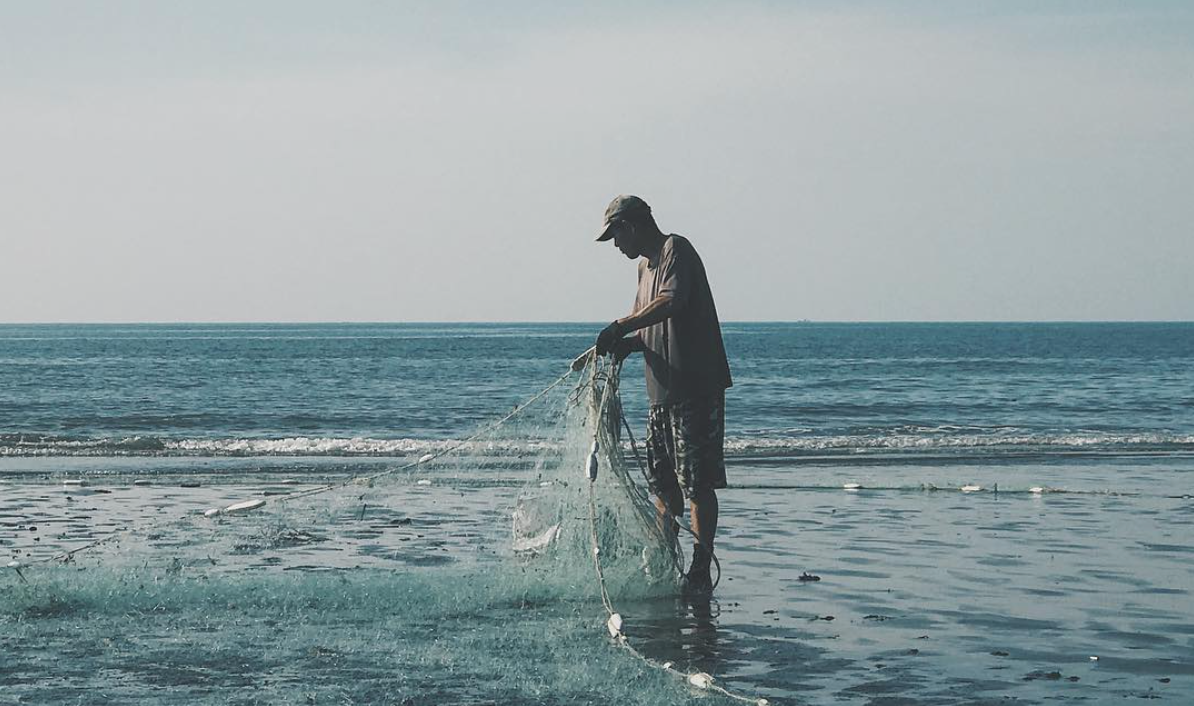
(971, 488)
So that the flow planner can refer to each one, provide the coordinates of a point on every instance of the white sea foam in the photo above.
(288, 446)
(301, 446)
(751, 445)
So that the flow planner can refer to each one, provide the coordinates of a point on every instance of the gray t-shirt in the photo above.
(684, 354)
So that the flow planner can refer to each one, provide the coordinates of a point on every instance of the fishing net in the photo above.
(475, 572)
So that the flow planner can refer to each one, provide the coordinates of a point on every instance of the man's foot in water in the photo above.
(698, 582)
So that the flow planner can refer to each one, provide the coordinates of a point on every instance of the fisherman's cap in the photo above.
(621, 207)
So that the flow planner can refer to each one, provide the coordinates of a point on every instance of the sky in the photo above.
(451, 161)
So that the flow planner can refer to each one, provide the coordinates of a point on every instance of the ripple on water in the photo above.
(1047, 583)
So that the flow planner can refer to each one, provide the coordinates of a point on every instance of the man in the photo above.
(674, 325)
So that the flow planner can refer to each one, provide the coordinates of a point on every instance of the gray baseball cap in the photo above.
(617, 210)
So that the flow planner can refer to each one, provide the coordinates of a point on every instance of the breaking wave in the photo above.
(934, 441)
(962, 443)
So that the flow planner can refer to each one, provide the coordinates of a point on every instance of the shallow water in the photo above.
(926, 594)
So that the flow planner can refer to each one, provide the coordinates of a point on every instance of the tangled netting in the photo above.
(471, 570)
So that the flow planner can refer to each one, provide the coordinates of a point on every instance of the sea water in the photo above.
(1062, 573)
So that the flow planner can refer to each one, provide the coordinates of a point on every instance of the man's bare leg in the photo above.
(704, 516)
(703, 505)
(670, 503)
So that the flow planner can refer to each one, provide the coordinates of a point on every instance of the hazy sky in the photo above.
(290, 161)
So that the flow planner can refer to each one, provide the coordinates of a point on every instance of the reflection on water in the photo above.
(683, 631)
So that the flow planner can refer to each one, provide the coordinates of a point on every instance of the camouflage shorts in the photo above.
(684, 445)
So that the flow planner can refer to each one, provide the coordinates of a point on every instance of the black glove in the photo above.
(608, 338)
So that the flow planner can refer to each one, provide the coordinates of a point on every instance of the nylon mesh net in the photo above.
(464, 573)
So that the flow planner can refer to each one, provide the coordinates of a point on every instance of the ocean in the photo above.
(993, 512)
(968, 391)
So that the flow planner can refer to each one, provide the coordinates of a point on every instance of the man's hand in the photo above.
(608, 338)
(659, 309)
(624, 347)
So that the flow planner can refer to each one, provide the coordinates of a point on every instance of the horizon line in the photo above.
(433, 322)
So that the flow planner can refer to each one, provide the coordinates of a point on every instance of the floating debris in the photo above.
(1050, 676)
(806, 576)
(295, 538)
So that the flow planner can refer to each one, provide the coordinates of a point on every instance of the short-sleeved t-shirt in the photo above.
(685, 356)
